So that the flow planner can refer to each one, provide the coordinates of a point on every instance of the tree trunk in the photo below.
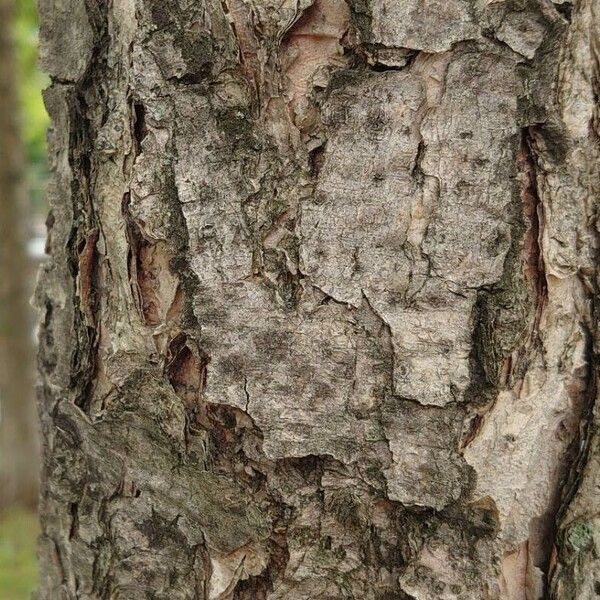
(18, 424)
(321, 319)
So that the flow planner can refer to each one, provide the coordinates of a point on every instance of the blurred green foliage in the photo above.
(19, 527)
(34, 119)
(18, 568)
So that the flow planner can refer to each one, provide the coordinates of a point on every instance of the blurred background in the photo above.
(23, 172)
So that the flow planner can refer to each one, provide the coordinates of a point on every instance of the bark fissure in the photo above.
(533, 208)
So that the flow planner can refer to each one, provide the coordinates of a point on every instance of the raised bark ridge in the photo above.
(320, 320)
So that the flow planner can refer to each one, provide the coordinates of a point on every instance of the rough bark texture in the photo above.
(19, 464)
(321, 317)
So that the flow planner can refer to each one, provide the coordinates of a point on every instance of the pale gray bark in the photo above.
(19, 464)
(321, 316)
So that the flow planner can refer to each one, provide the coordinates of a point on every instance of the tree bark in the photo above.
(19, 464)
(321, 319)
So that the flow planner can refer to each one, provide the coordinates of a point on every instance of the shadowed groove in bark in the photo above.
(86, 229)
(533, 208)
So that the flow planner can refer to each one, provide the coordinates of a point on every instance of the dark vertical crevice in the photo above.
(140, 129)
(533, 210)
(86, 99)
(316, 159)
